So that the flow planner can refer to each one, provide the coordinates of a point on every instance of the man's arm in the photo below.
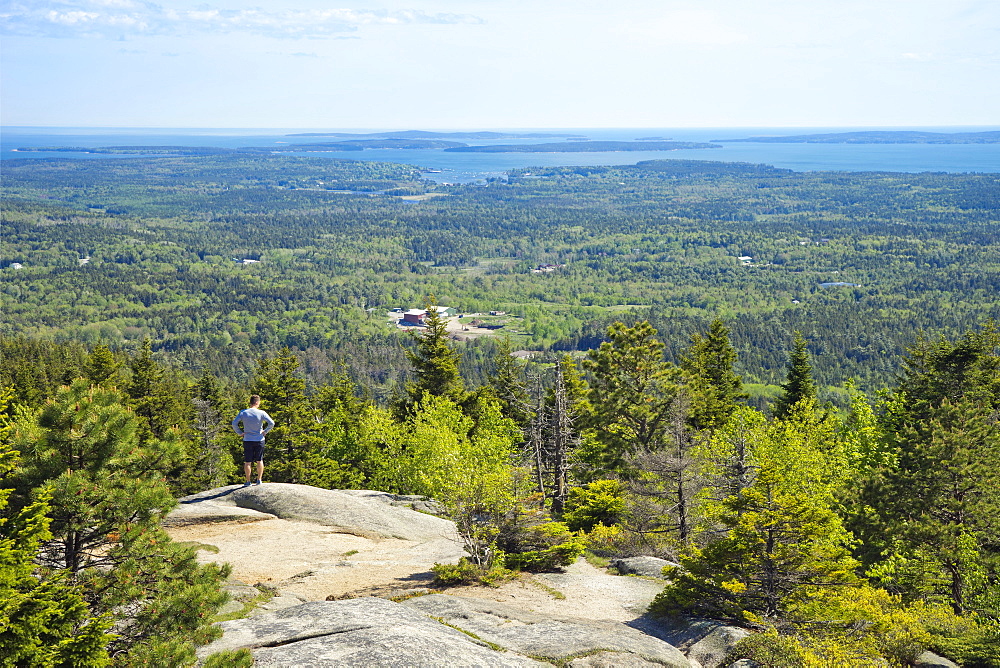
(236, 424)
(267, 427)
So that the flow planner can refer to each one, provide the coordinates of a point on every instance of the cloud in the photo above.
(114, 18)
(702, 27)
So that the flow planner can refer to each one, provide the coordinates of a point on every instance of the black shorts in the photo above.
(253, 451)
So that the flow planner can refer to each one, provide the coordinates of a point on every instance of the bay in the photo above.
(452, 167)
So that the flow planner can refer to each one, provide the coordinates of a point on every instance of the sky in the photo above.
(479, 64)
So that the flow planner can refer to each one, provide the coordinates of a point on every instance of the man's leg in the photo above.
(246, 470)
(260, 471)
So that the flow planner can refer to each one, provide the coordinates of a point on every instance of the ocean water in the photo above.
(468, 167)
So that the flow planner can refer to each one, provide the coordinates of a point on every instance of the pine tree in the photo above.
(713, 386)
(935, 497)
(108, 499)
(799, 384)
(631, 395)
(101, 366)
(666, 483)
(781, 541)
(434, 361)
(211, 458)
(153, 396)
(507, 382)
(296, 451)
(43, 620)
(941, 505)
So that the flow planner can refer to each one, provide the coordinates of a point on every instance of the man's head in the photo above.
(254, 400)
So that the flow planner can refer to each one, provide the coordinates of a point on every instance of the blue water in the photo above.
(466, 167)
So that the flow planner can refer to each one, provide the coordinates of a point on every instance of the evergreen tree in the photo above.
(161, 404)
(713, 386)
(296, 451)
(108, 500)
(781, 543)
(43, 620)
(799, 384)
(664, 488)
(212, 458)
(561, 438)
(632, 391)
(967, 369)
(343, 416)
(101, 367)
(941, 506)
(507, 382)
(434, 361)
(928, 514)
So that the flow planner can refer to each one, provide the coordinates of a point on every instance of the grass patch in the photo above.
(567, 660)
(259, 599)
(198, 546)
(491, 645)
(551, 591)
(349, 553)
(415, 594)
(595, 560)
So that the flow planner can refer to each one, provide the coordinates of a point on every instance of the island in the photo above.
(424, 134)
(173, 151)
(879, 137)
(584, 146)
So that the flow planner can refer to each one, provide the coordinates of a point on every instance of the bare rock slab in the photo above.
(362, 633)
(704, 641)
(545, 636)
(648, 566)
(612, 660)
(357, 512)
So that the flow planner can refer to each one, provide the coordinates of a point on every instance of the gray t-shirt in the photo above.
(253, 420)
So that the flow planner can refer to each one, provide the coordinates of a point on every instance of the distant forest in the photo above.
(880, 137)
(117, 251)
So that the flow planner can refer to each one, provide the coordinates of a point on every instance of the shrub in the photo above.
(467, 572)
(768, 649)
(599, 502)
(544, 547)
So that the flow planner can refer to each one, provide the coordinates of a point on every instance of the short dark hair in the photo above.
(254, 399)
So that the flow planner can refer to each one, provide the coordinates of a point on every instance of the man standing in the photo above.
(256, 424)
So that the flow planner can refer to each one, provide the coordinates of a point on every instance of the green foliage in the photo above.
(799, 384)
(768, 649)
(44, 621)
(972, 642)
(238, 658)
(162, 233)
(631, 394)
(467, 572)
(545, 547)
(508, 384)
(713, 386)
(598, 502)
(300, 449)
(783, 543)
(434, 361)
(942, 507)
(466, 465)
(101, 367)
(929, 516)
(549, 559)
(155, 396)
(863, 624)
(109, 496)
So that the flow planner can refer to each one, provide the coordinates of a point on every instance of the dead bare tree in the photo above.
(663, 493)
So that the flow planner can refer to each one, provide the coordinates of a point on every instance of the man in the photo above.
(256, 424)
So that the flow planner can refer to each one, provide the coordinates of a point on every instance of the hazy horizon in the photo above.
(441, 64)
